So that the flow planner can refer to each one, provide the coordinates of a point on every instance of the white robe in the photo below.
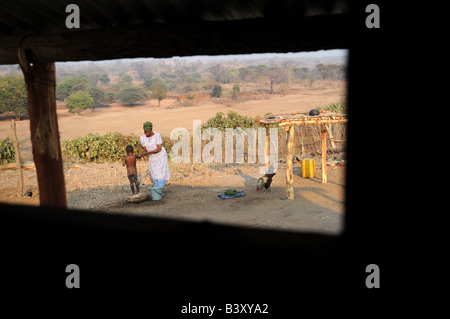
(158, 164)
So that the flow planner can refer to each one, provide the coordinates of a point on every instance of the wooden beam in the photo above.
(324, 154)
(267, 150)
(289, 172)
(173, 38)
(40, 81)
(17, 156)
(308, 121)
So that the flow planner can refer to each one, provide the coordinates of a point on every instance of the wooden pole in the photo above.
(324, 154)
(289, 172)
(267, 150)
(17, 156)
(330, 134)
(40, 81)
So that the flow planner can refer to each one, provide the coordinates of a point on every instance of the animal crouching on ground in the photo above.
(264, 183)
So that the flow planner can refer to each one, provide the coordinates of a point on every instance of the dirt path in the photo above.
(192, 194)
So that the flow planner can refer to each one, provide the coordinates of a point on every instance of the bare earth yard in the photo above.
(192, 192)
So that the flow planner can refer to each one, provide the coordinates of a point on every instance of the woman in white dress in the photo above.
(158, 163)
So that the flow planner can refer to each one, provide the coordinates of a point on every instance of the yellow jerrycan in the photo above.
(308, 168)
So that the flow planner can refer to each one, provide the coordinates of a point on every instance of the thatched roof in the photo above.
(304, 119)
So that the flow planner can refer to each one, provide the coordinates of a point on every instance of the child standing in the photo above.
(130, 161)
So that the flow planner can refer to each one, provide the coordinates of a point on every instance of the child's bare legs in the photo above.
(133, 180)
(137, 185)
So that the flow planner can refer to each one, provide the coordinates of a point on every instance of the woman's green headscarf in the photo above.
(148, 126)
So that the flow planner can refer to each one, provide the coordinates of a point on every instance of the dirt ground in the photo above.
(193, 195)
(193, 189)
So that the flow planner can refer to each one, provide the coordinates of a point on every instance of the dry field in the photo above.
(192, 192)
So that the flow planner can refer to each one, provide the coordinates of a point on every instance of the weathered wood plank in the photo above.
(289, 170)
(17, 157)
(40, 81)
(267, 150)
(324, 154)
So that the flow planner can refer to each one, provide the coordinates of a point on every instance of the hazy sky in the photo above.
(310, 54)
(338, 53)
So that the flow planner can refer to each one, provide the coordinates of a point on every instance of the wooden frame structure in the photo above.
(40, 81)
(288, 121)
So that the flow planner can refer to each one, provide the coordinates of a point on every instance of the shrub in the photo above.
(126, 79)
(7, 152)
(236, 91)
(232, 120)
(110, 96)
(340, 107)
(217, 91)
(131, 95)
(13, 95)
(206, 86)
(100, 148)
(98, 95)
(103, 148)
(104, 78)
(70, 85)
(79, 101)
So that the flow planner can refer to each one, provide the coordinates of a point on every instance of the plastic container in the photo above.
(156, 193)
(308, 168)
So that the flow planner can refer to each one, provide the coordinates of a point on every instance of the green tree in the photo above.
(217, 91)
(273, 73)
(246, 75)
(79, 101)
(217, 73)
(93, 78)
(143, 70)
(236, 91)
(104, 78)
(13, 95)
(232, 75)
(323, 69)
(148, 83)
(110, 96)
(301, 73)
(98, 95)
(126, 79)
(131, 95)
(70, 85)
(159, 90)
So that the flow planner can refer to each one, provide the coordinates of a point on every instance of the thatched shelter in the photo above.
(289, 121)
